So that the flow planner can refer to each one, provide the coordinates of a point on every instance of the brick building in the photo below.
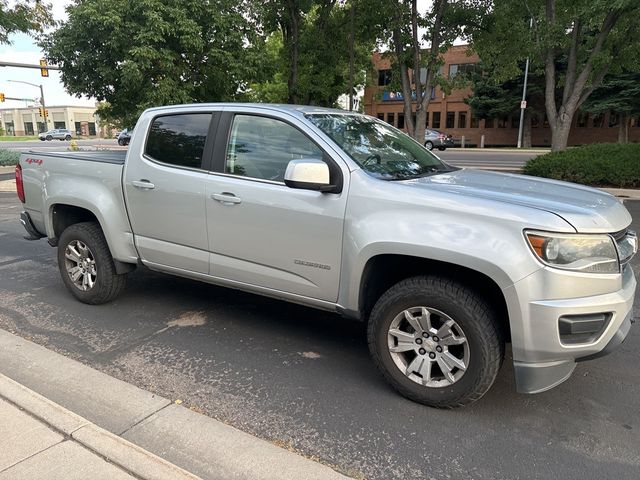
(449, 113)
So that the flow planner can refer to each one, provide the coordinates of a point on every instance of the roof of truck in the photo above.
(282, 107)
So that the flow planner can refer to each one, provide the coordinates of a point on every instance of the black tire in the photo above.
(442, 149)
(121, 142)
(41, 139)
(428, 145)
(49, 138)
(108, 284)
(473, 315)
(67, 138)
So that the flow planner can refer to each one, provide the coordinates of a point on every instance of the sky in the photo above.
(23, 49)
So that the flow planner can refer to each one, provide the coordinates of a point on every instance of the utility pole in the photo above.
(42, 104)
(523, 103)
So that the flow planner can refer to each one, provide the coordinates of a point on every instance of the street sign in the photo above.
(523, 104)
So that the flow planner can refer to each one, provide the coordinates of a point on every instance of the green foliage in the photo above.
(135, 54)
(23, 16)
(8, 157)
(619, 94)
(600, 165)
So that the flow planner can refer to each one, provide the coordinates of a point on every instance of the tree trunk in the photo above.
(292, 39)
(560, 135)
(623, 128)
(526, 131)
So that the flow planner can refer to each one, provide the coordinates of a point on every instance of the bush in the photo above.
(599, 165)
(8, 157)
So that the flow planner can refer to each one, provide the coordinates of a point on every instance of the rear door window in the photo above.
(178, 139)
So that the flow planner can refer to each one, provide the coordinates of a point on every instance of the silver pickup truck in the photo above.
(342, 212)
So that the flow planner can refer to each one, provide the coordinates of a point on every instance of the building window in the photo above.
(391, 118)
(436, 120)
(502, 122)
(488, 123)
(401, 120)
(475, 122)
(451, 120)
(427, 121)
(461, 68)
(92, 129)
(614, 119)
(42, 127)
(384, 77)
(598, 120)
(583, 118)
(59, 125)
(545, 122)
(462, 119)
(381, 116)
(28, 128)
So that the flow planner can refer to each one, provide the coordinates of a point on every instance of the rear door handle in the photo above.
(226, 197)
(144, 184)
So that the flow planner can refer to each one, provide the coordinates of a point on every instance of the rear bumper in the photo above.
(543, 357)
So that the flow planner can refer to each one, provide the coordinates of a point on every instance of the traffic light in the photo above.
(46, 112)
(42, 112)
(1, 97)
(44, 71)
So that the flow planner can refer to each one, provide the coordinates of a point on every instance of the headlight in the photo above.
(580, 253)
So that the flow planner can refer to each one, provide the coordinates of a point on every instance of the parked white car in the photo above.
(57, 134)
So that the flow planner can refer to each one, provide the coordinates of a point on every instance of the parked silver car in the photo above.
(57, 134)
(436, 139)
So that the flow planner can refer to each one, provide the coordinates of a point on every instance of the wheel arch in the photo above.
(383, 271)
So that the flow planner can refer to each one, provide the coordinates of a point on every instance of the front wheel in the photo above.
(49, 138)
(86, 264)
(121, 142)
(436, 341)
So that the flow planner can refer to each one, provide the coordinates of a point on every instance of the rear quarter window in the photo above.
(178, 139)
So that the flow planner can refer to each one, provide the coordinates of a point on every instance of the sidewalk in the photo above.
(83, 424)
(41, 440)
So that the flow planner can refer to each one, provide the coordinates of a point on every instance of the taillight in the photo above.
(441, 136)
(19, 184)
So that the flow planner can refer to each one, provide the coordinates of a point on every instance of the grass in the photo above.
(9, 138)
(598, 165)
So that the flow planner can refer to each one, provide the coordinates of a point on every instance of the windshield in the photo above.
(378, 148)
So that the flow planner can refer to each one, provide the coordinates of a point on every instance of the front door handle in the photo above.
(144, 184)
(226, 198)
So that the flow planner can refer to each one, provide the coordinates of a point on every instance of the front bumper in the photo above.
(542, 359)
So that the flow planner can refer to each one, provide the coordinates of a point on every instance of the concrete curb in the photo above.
(625, 193)
(8, 169)
(116, 450)
(154, 425)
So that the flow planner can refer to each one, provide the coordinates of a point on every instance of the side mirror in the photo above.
(308, 174)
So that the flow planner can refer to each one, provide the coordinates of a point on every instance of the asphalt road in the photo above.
(491, 159)
(303, 379)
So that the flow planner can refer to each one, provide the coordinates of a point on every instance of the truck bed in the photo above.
(103, 156)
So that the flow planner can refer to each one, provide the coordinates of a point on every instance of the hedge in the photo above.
(8, 157)
(599, 165)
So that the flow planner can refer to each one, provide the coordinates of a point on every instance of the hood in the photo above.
(587, 209)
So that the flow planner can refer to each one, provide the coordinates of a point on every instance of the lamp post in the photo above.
(523, 103)
(46, 125)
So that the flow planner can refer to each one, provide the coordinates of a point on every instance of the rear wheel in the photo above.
(86, 264)
(442, 148)
(67, 138)
(429, 145)
(436, 341)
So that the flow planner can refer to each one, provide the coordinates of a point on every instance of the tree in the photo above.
(135, 54)
(492, 98)
(619, 95)
(576, 42)
(325, 47)
(23, 16)
(417, 68)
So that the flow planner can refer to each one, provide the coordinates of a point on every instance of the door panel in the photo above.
(165, 193)
(273, 236)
